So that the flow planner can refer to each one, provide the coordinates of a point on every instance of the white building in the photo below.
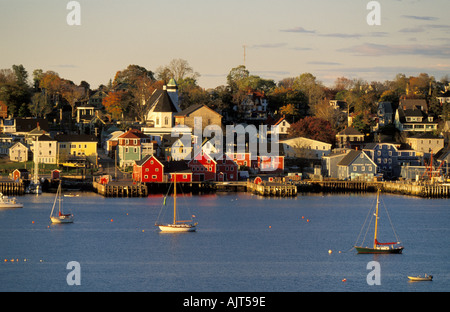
(305, 148)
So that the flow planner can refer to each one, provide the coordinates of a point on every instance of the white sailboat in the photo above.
(176, 225)
(60, 217)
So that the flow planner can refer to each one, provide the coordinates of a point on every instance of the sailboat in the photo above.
(60, 217)
(176, 225)
(378, 247)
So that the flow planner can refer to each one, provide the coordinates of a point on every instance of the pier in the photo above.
(121, 189)
(12, 188)
(272, 189)
(426, 190)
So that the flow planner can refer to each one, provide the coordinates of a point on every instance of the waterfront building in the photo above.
(47, 150)
(390, 157)
(426, 143)
(300, 147)
(357, 165)
(77, 148)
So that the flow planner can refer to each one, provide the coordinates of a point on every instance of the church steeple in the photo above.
(172, 90)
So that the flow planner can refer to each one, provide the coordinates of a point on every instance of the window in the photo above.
(146, 169)
(166, 120)
(156, 169)
(153, 176)
(354, 168)
(146, 177)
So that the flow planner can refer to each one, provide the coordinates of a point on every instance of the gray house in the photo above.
(357, 165)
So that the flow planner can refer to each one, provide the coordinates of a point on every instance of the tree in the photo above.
(313, 89)
(177, 69)
(112, 104)
(72, 94)
(313, 128)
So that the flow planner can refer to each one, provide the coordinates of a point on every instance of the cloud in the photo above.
(421, 18)
(370, 49)
(65, 66)
(268, 45)
(298, 30)
(324, 63)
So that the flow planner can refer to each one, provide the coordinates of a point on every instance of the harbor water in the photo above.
(244, 243)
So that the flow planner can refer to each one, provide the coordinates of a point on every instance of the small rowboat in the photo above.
(421, 278)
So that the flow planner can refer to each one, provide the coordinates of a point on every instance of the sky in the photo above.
(282, 38)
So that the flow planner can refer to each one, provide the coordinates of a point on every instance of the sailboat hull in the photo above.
(62, 219)
(380, 250)
(177, 228)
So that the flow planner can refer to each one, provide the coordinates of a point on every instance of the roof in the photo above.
(189, 110)
(414, 103)
(176, 166)
(160, 101)
(133, 134)
(75, 138)
(350, 131)
(28, 124)
(45, 138)
(351, 156)
(425, 135)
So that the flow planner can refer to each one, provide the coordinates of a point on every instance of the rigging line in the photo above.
(164, 203)
(390, 221)
(364, 224)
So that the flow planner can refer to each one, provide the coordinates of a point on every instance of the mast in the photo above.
(376, 220)
(175, 200)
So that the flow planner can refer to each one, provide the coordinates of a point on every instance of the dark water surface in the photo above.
(243, 243)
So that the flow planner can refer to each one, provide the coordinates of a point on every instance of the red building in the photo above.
(227, 169)
(179, 168)
(203, 167)
(270, 164)
(241, 159)
(149, 169)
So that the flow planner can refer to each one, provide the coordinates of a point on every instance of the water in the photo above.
(243, 243)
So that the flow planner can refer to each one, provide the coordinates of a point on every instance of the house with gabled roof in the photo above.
(349, 137)
(161, 109)
(414, 119)
(208, 116)
(357, 165)
(18, 152)
(133, 145)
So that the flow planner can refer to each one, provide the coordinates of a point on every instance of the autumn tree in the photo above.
(112, 104)
(313, 128)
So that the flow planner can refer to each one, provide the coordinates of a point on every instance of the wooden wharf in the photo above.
(272, 189)
(437, 190)
(121, 189)
(12, 188)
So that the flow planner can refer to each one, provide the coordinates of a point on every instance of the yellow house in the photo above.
(77, 147)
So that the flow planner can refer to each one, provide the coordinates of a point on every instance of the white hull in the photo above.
(6, 202)
(11, 205)
(62, 219)
(177, 228)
